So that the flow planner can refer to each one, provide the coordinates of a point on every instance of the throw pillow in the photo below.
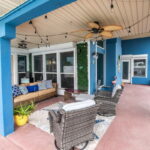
(32, 88)
(16, 91)
(48, 84)
(42, 86)
(23, 90)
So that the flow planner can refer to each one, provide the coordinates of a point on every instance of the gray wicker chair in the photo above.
(108, 103)
(73, 127)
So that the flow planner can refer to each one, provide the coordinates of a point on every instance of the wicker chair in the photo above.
(72, 128)
(108, 103)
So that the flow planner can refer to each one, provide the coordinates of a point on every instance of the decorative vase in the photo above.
(21, 120)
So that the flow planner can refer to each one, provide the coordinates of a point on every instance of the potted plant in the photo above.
(22, 112)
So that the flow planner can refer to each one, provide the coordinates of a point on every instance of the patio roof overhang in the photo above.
(8, 23)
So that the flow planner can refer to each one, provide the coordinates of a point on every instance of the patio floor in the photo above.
(129, 131)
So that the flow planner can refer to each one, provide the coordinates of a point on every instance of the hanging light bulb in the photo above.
(25, 38)
(46, 17)
(112, 6)
(66, 35)
(129, 29)
(35, 31)
(47, 38)
(30, 22)
(41, 42)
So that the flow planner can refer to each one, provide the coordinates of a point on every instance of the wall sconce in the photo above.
(95, 57)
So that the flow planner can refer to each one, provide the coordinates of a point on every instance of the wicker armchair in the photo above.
(108, 103)
(72, 128)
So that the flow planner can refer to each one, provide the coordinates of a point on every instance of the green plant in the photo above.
(24, 109)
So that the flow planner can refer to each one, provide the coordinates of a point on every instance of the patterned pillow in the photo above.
(48, 84)
(23, 90)
(42, 86)
(16, 91)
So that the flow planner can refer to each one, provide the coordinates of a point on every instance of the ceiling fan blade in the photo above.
(112, 28)
(80, 30)
(93, 25)
(106, 34)
(89, 35)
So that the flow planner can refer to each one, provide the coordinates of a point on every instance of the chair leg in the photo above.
(56, 145)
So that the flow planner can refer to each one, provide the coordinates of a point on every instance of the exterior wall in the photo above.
(138, 47)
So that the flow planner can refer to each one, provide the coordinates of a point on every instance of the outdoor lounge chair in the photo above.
(107, 101)
(72, 128)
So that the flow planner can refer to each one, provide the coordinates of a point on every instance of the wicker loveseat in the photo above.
(35, 96)
(71, 128)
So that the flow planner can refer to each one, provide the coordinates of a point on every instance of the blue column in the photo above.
(6, 101)
(8, 32)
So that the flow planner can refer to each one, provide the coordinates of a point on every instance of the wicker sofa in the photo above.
(35, 96)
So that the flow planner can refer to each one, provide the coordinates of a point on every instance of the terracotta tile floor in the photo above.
(129, 131)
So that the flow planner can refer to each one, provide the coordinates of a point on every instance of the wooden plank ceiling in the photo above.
(76, 15)
(8, 5)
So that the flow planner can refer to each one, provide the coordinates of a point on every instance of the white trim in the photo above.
(53, 48)
(131, 58)
(75, 70)
(89, 67)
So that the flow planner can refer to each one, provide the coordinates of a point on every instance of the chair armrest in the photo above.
(55, 116)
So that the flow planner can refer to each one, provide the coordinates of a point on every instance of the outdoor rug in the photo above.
(39, 118)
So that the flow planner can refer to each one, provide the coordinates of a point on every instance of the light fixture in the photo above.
(129, 29)
(30, 22)
(35, 31)
(47, 38)
(46, 16)
(25, 37)
(66, 35)
(112, 5)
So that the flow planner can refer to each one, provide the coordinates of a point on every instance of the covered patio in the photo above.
(76, 47)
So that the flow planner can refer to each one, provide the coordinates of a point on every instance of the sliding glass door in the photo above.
(51, 67)
(22, 67)
(67, 69)
(38, 67)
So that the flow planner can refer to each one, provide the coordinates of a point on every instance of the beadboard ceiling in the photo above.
(76, 15)
(8, 5)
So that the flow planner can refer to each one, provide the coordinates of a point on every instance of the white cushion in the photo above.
(83, 97)
(78, 105)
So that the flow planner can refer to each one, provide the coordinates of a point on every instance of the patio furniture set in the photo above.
(73, 124)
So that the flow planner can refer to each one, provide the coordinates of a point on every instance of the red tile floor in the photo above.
(129, 131)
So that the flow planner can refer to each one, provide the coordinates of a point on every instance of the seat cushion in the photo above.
(83, 97)
(48, 84)
(47, 91)
(42, 85)
(78, 105)
(23, 89)
(26, 97)
(32, 88)
(16, 91)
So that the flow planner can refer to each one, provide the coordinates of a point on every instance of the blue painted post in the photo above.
(6, 101)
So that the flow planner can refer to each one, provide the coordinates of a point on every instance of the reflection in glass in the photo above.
(38, 63)
(52, 77)
(51, 63)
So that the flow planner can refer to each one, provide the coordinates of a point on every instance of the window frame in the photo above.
(145, 57)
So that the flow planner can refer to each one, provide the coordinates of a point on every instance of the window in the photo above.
(22, 67)
(139, 67)
(38, 68)
(51, 67)
(67, 69)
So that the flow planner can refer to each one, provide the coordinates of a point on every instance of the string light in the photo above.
(46, 16)
(112, 5)
(25, 38)
(30, 22)
(35, 31)
(47, 38)
(129, 29)
(66, 35)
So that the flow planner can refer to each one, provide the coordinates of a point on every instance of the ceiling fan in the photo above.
(94, 28)
(22, 44)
